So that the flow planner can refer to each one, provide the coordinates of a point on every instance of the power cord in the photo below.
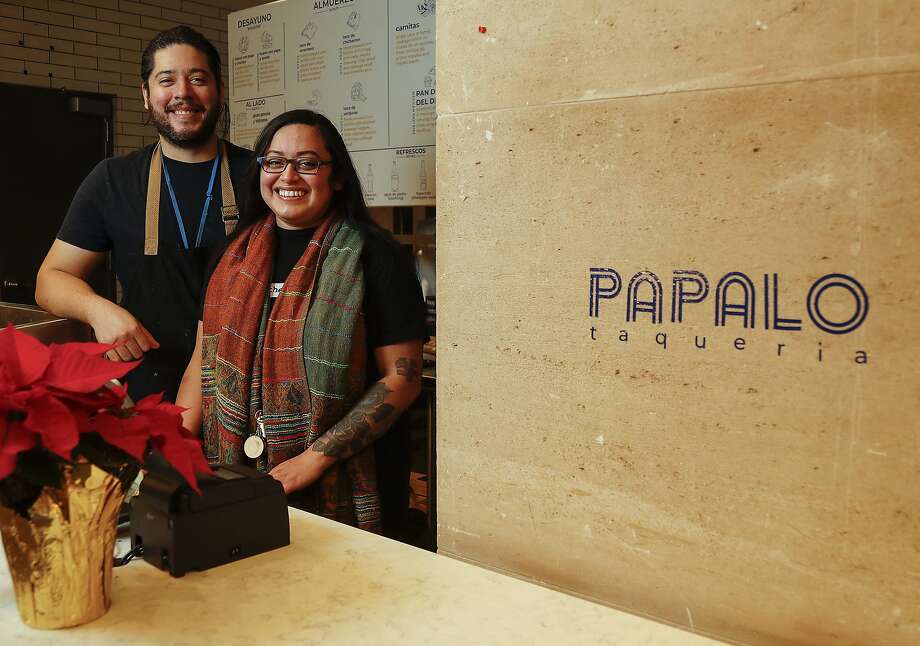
(137, 550)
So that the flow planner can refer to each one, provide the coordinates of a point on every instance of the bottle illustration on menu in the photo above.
(369, 188)
(422, 177)
(309, 30)
(357, 92)
(394, 178)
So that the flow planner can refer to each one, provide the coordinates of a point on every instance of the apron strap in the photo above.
(229, 210)
(152, 219)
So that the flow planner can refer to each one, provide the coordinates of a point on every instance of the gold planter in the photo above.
(61, 560)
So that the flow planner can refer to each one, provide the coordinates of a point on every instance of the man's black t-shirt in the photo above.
(162, 291)
(190, 182)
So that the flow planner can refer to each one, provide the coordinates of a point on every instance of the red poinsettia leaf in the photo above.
(15, 439)
(109, 397)
(181, 449)
(7, 465)
(20, 398)
(91, 348)
(73, 370)
(185, 456)
(55, 423)
(168, 411)
(128, 434)
(23, 357)
(85, 422)
(150, 402)
(196, 451)
(117, 390)
(164, 417)
(7, 385)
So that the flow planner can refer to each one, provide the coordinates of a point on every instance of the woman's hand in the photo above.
(301, 471)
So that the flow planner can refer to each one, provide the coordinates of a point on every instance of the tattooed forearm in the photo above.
(408, 368)
(368, 420)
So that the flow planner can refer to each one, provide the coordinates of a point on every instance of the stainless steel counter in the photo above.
(45, 327)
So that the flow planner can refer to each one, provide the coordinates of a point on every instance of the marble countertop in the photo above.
(338, 585)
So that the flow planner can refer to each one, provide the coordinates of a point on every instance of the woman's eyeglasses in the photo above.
(276, 164)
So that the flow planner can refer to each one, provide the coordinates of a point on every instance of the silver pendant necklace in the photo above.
(254, 445)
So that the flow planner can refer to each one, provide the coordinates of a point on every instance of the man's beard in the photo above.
(189, 139)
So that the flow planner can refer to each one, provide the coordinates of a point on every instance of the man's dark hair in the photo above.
(180, 35)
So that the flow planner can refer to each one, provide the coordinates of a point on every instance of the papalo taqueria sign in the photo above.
(743, 311)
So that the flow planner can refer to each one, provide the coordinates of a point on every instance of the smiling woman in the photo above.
(312, 327)
(296, 183)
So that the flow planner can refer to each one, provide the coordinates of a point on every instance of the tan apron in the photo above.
(229, 210)
(166, 288)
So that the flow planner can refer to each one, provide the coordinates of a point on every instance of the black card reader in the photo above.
(240, 512)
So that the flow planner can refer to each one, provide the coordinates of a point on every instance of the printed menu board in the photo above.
(368, 65)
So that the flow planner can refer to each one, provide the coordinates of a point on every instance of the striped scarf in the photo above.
(300, 361)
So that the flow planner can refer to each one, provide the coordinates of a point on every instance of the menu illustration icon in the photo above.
(369, 181)
(426, 8)
(354, 19)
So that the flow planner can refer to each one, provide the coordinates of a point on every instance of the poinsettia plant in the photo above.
(58, 404)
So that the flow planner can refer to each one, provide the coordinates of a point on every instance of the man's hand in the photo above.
(301, 471)
(114, 324)
(61, 289)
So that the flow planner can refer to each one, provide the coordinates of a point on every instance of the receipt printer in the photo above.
(240, 512)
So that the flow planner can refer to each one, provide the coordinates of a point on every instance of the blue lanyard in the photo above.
(204, 211)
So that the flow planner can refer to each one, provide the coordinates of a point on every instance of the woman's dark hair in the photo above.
(182, 35)
(347, 202)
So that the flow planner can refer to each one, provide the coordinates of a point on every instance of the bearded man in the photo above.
(161, 211)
